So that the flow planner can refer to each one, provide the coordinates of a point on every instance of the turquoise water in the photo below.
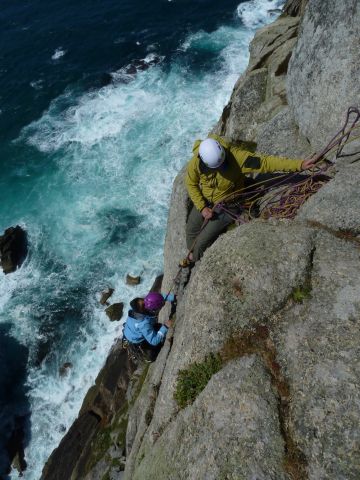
(90, 178)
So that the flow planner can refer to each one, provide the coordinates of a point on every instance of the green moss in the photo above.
(299, 294)
(194, 379)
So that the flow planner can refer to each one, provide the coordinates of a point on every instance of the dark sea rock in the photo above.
(15, 422)
(130, 280)
(15, 445)
(101, 424)
(115, 311)
(156, 286)
(13, 248)
(106, 295)
(63, 370)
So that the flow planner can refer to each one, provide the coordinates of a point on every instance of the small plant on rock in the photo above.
(192, 380)
(299, 294)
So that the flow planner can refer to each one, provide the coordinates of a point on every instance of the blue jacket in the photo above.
(140, 327)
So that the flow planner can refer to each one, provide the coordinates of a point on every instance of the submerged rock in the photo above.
(115, 311)
(64, 369)
(15, 446)
(132, 280)
(13, 248)
(106, 295)
(100, 429)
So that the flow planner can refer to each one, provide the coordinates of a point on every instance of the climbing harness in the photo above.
(135, 352)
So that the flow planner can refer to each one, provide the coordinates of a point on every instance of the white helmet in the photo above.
(211, 153)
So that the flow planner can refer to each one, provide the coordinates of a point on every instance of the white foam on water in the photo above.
(256, 13)
(115, 154)
(59, 52)
(37, 84)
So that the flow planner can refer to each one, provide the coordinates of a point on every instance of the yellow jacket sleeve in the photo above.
(261, 163)
(192, 181)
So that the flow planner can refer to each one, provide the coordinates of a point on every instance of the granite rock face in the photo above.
(319, 351)
(324, 70)
(217, 437)
(337, 204)
(260, 93)
(314, 343)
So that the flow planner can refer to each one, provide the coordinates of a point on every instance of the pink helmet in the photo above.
(154, 301)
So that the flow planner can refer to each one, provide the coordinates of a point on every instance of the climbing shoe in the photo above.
(186, 263)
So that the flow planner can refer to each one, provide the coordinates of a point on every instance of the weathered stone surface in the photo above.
(231, 431)
(142, 412)
(175, 242)
(13, 248)
(248, 95)
(71, 446)
(260, 92)
(319, 351)
(270, 38)
(324, 71)
(295, 8)
(115, 311)
(281, 136)
(337, 204)
(263, 263)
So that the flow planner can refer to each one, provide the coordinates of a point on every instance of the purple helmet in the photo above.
(153, 301)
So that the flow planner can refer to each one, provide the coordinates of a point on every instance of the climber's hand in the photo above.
(308, 162)
(207, 213)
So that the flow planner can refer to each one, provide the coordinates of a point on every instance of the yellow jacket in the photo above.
(205, 186)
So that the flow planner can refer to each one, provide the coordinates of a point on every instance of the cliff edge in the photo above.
(278, 300)
(271, 313)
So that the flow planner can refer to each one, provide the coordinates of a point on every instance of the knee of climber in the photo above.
(200, 247)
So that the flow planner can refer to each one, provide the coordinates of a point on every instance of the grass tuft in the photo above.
(299, 294)
(192, 380)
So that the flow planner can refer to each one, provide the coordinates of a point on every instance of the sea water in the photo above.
(100, 105)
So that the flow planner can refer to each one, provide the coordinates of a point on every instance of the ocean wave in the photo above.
(59, 52)
(37, 84)
(256, 13)
(128, 73)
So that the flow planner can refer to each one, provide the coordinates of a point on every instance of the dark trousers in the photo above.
(215, 226)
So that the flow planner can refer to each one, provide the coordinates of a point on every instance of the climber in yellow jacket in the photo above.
(217, 169)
